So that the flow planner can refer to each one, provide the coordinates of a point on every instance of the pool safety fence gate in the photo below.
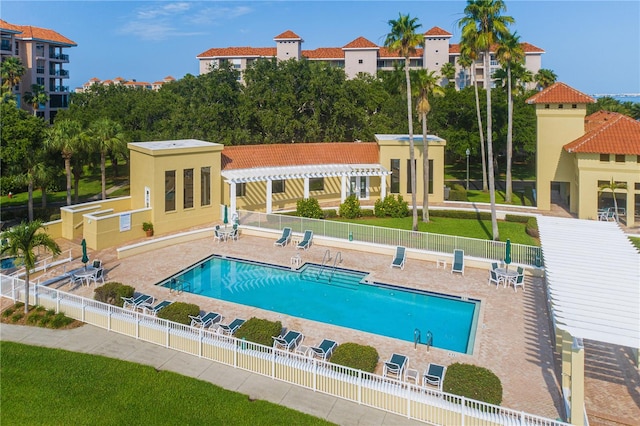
(438, 243)
(395, 396)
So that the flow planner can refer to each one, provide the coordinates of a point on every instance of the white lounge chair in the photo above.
(150, 309)
(434, 375)
(519, 282)
(205, 320)
(395, 366)
(229, 329)
(458, 261)
(324, 350)
(135, 302)
(399, 258)
(289, 341)
(306, 240)
(285, 238)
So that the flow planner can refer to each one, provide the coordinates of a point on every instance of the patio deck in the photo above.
(513, 337)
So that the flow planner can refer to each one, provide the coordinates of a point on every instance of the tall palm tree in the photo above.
(484, 23)
(427, 83)
(11, 72)
(403, 39)
(36, 97)
(509, 52)
(66, 136)
(469, 53)
(612, 186)
(545, 78)
(21, 241)
(105, 135)
(448, 71)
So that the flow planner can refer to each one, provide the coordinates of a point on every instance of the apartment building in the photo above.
(364, 56)
(42, 53)
(156, 85)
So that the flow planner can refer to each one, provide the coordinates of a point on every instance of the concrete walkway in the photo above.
(93, 340)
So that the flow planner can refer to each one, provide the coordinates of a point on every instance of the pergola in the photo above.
(592, 273)
(269, 174)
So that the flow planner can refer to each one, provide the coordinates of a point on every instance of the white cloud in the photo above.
(211, 15)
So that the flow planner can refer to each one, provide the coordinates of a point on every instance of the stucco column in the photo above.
(306, 188)
(631, 204)
(343, 188)
(565, 360)
(383, 186)
(268, 196)
(232, 197)
(577, 382)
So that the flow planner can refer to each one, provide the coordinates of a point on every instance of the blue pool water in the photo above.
(7, 263)
(342, 299)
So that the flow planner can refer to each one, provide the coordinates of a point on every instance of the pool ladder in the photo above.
(178, 286)
(327, 258)
(417, 337)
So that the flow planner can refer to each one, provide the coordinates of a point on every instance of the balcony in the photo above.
(61, 73)
(54, 88)
(59, 57)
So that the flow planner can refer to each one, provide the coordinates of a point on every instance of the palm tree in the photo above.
(469, 53)
(484, 23)
(612, 186)
(448, 70)
(545, 78)
(21, 241)
(427, 82)
(509, 51)
(36, 97)
(404, 39)
(66, 136)
(11, 71)
(106, 135)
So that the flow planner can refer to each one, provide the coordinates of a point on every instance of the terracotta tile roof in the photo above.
(299, 154)
(360, 43)
(437, 31)
(238, 52)
(386, 53)
(324, 53)
(288, 35)
(560, 93)
(94, 79)
(608, 133)
(169, 78)
(5, 26)
(36, 33)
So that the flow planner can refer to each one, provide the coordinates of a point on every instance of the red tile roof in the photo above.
(560, 93)
(324, 53)
(360, 43)
(29, 32)
(386, 53)
(288, 35)
(4, 25)
(238, 52)
(437, 31)
(608, 133)
(299, 154)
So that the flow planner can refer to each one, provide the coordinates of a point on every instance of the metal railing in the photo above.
(46, 263)
(438, 243)
(395, 396)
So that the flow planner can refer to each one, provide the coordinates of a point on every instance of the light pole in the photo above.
(468, 152)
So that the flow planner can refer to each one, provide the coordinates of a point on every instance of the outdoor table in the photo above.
(508, 275)
(84, 275)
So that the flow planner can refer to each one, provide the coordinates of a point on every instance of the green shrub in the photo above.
(113, 292)
(309, 208)
(55, 216)
(516, 218)
(260, 331)
(391, 206)
(461, 214)
(350, 209)
(330, 213)
(356, 356)
(532, 227)
(33, 318)
(179, 312)
(473, 382)
(60, 320)
(17, 316)
(8, 312)
(458, 193)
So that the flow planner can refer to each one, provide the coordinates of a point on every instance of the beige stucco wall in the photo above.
(399, 149)
(149, 166)
(369, 58)
(556, 127)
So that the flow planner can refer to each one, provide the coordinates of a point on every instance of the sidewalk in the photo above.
(93, 340)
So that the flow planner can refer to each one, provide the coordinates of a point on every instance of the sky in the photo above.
(593, 46)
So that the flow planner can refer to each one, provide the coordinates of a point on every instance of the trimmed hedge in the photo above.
(458, 193)
(179, 312)
(532, 227)
(112, 293)
(260, 331)
(309, 208)
(356, 356)
(474, 382)
(516, 218)
(350, 209)
(461, 214)
(391, 206)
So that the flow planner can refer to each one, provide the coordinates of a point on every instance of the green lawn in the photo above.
(471, 228)
(635, 241)
(51, 386)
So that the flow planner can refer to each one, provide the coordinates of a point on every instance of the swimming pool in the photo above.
(341, 298)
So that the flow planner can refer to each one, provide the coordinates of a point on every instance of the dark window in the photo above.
(241, 189)
(409, 175)
(359, 61)
(316, 184)
(561, 106)
(637, 186)
(604, 157)
(205, 186)
(619, 158)
(602, 183)
(395, 176)
(169, 190)
(574, 106)
(277, 186)
(546, 106)
(188, 188)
